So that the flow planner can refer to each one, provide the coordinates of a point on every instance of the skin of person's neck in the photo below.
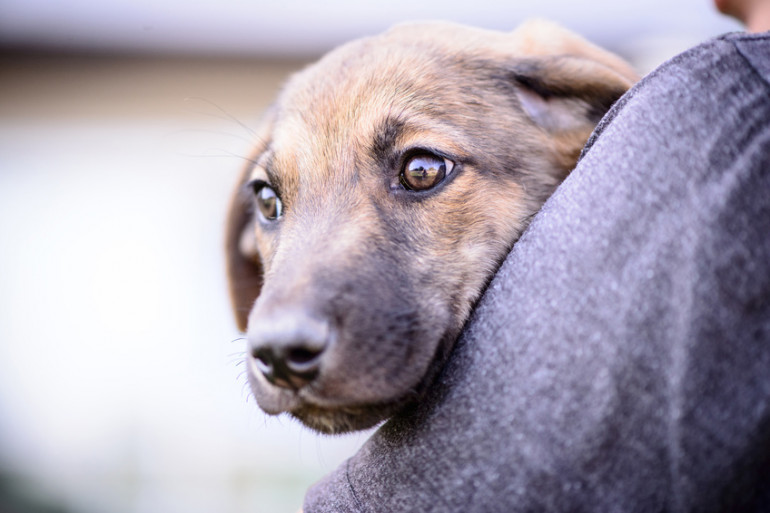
(754, 14)
(758, 19)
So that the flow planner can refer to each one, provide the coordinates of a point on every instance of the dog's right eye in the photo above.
(424, 171)
(268, 203)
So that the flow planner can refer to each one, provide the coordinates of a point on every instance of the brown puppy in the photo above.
(389, 181)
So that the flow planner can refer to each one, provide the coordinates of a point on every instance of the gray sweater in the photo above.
(620, 360)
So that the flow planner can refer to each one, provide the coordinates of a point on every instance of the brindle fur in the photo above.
(393, 273)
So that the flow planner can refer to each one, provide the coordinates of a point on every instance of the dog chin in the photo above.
(332, 421)
(335, 416)
(327, 419)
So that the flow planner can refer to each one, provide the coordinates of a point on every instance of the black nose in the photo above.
(288, 347)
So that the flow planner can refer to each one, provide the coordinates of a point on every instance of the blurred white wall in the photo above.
(309, 27)
(120, 389)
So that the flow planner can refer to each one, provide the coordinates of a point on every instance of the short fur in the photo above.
(389, 275)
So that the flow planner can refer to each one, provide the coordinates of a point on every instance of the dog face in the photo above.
(389, 181)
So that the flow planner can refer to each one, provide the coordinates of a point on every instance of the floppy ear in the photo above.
(564, 83)
(540, 38)
(565, 92)
(244, 266)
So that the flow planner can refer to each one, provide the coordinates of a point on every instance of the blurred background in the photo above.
(123, 126)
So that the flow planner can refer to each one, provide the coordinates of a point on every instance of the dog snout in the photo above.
(288, 347)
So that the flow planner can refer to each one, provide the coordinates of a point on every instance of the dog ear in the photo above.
(563, 93)
(244, 268)
(244, 265)
(564, 83)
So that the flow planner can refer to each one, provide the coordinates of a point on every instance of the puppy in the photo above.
(388, 182)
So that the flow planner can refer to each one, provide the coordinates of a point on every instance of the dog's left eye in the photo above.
(269, 204)
(424, 171)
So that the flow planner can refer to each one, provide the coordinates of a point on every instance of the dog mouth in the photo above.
(330, 413)
(317, 413)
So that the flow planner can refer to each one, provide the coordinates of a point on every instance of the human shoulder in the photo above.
(755, 49)
(693, 80)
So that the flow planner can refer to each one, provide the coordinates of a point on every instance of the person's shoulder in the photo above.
(721, 58)
(755, 49)
(686, 84)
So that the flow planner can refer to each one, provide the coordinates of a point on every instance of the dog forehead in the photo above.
(332, 110)
(395, 60)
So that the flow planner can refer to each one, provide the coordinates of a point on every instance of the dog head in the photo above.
(389, 181)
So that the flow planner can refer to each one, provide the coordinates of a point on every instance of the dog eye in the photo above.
(424, 171)
(268, 202)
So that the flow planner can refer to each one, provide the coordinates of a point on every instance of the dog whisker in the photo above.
(226, 114)
(189, 131)
(236, 357)
(246, 391)
(223, 154)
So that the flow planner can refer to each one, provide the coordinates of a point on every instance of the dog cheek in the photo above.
(385, 348)
(479, 226)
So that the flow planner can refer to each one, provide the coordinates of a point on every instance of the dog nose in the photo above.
(287, 348)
